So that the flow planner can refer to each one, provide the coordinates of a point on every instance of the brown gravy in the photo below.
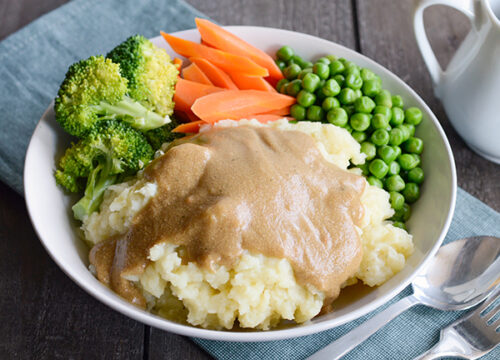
(228, 190)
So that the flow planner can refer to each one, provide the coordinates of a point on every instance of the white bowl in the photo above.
(50, 211)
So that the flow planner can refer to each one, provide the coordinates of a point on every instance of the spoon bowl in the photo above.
(461, 275)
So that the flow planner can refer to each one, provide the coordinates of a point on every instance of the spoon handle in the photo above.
(353, 338)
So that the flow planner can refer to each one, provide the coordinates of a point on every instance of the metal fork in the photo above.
(470, 337)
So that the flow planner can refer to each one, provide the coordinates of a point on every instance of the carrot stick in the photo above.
(280, 112)
(194, 73)
(190, 127)
(178, 63)
(217, 76)
(186, 92)
(226, 61)
(235, 104)
(226, 41)
(244, 82)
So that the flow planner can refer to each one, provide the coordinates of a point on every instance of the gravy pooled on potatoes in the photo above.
(232, 189)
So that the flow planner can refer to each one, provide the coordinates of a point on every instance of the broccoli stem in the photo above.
(99, 180)
(135, 114)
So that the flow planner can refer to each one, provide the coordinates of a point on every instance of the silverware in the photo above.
(461, 275)
(471, 336)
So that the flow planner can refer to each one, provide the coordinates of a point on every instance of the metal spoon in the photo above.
(461, 275)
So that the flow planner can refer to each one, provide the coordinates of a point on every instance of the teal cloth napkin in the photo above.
(33, 62)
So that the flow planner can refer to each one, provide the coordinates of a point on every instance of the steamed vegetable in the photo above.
(110, 150)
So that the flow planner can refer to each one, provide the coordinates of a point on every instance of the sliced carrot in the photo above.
(235, 104)
(217, 76)
(244, 82)
(186, 92)
(190, 127)
(194, 73)
(224, 40)
(224, 60)
(281, 112)
(178, 63)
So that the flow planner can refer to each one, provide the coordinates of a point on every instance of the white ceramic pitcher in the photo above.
(470, 87)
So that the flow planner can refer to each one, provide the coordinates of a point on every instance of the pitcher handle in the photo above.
(465, 6)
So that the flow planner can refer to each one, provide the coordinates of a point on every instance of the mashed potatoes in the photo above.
(257, 291)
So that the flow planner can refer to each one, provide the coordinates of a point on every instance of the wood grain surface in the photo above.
(44, 315)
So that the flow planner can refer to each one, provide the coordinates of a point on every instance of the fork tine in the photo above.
(491, 298)
(491, 314)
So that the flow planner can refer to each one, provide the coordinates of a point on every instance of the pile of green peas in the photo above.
(337, 91)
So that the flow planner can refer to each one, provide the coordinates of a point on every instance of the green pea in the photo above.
(397, 200)
(394, 183)
(371, 87)
(399, 224)
(305, 98)
(398, 151)
(372, 180)
(280, 83)
(298, 112)
(364, 169)
(411, 128)
(394, 168)
(384, 98)
(416, 175)
(396, 136)
(369, 150)
(347, 96)
(310, 82)
(323, 60)
(322, 70)
(402, 214)
(291, 71)
(348, 128)
(293, 87)
(352, 68)
(358, 93)
(295, 59)
(315, 113)
(387, 153)
(380, 137)
(340, 79)
(349, 109)
(359, 136)
(285, 53)
(307, 65)
(379, 121)
(281, 64)
(331, 88)
(364, 104)
(413, 115)
(378, 168)
(360, 121)
(405, 130)
(398, 116)
(408, 161)
(331, 57)
(303, 73)
(354, 81)
(413, 145)
(336, 67)
(337, 116)
(411, 192)
(282, 88)
(397, 100)
(384, 110)
(367, 74)
(330, 103)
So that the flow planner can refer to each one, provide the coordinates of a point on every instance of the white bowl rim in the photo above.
(270, 335)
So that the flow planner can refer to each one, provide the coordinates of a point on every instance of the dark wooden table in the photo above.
(44, 315)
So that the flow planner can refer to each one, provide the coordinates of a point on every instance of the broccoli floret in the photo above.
(111, 149)
(93, 90)
(149, 71)
(157, 137)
